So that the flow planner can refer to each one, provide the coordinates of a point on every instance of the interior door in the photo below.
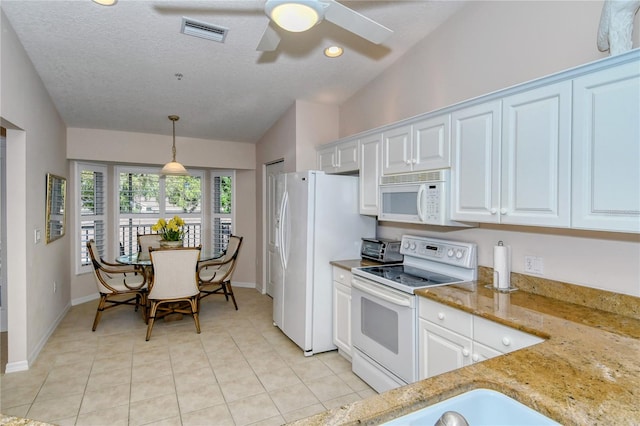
(3, 233)
(274, 272)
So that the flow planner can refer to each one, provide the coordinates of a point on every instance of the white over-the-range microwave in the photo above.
(421, 197)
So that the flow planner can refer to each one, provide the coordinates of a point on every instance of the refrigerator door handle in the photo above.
(283, 224)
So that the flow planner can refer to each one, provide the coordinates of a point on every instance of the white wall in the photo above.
(485, 47)
(292, 138)
(35, 146)
(145, 148)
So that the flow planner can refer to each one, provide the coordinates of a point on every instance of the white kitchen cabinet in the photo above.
(432, 143)
(606, 150)
(512, 159)
(370, 170)
(342, 311)
(450, 338)
(396, 150)
(500, 337)
(340, 157)
(444, 338)
(440, 350)
(423, 145)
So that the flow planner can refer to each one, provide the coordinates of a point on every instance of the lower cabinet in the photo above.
(342, 311)
(450, 339)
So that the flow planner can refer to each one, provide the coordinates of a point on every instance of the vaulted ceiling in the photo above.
(127, 67)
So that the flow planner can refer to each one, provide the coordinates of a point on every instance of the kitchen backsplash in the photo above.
(608, 301)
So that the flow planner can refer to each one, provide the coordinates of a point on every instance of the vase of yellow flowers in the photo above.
(172, 231)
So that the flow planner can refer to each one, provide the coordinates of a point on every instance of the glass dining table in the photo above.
(132, 259)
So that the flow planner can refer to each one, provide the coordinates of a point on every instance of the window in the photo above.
(91, 196)
(144, 197)
(222, 208)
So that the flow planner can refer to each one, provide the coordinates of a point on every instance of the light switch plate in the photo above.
(37, 235)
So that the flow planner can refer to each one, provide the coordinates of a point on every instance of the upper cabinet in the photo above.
(560, 151)
(423, 145)
(511, 159)
(370, 171)
(340, 157)
(606, 150)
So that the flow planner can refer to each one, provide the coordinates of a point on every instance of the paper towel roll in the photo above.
(501, 266)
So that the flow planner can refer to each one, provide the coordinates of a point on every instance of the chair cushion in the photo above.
(118, 282)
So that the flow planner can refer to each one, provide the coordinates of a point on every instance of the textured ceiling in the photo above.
(115, 67)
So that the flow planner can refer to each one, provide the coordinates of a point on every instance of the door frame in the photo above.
(265, 224)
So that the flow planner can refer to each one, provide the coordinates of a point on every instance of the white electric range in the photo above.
(383, 306)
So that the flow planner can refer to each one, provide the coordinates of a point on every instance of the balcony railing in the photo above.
(128, 236)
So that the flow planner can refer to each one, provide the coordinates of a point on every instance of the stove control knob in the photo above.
(450, 253)
(406, 244)
(459, 254)
(412, 246)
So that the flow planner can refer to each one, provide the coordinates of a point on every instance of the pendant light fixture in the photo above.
(173, 167)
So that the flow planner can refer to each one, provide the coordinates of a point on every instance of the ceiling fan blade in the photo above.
(356, 23)
(270, 39)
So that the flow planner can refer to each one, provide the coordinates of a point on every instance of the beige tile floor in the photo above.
(241, 370)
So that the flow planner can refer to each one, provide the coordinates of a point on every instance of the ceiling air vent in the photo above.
(203, 30)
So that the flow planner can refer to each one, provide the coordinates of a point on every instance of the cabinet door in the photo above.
(396, 150)
(431, 143)
(606, 150)
(440, 350)
(475, 168)
(347, 156)
(342, 317)
(536, 157)
(327, 159)
(370, 165)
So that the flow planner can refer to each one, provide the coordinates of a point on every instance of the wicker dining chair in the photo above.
(214, 276)
(146, 241)
(115, 282)
(174, 286)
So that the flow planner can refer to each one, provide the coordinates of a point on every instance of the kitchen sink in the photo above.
(478, 407)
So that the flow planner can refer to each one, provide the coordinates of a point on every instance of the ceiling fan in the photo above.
(301, 15)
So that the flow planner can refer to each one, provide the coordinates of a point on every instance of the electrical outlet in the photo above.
(534, 265)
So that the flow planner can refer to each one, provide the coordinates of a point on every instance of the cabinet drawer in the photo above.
(500, 337)
(445, 316)
(342, 276)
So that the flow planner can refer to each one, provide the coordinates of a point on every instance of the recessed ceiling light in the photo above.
(106, 2)
(333, 51)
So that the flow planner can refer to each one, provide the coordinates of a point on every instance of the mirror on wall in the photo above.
(56, 195)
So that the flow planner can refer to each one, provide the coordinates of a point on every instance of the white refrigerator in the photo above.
(317, 221)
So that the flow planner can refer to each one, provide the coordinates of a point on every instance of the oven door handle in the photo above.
(386, 296)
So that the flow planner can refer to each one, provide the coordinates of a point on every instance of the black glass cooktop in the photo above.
(409, 275)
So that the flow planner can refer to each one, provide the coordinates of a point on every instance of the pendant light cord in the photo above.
(174, 141)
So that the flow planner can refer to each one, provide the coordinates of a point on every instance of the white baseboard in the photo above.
(13, 367)
(243, 284)
(43, 341)
(85, 299)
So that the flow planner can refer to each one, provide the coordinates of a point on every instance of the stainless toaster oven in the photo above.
(381, 250)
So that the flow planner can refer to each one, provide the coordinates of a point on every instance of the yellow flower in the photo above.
(170, 231)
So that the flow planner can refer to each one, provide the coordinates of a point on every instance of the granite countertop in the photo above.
(587, 371)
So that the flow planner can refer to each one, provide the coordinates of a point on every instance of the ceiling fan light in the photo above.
(295, 16)
(105, 2)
